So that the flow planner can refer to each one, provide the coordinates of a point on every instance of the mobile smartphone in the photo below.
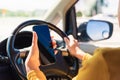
(45, 42)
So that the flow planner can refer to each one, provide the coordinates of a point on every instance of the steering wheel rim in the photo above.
(13, 53)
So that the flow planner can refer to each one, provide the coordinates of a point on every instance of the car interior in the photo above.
(15, 48)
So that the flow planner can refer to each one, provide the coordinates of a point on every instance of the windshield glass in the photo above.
(14, 12)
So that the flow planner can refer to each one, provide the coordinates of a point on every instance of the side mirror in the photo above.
(95, 30)
(99, 30)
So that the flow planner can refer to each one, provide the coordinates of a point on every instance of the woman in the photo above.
(94, 67)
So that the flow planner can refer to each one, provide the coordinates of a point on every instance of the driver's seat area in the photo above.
(104, 65)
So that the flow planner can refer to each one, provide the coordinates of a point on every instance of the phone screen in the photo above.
(45, 42)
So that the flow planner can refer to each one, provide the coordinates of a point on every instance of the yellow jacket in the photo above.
(104, 65)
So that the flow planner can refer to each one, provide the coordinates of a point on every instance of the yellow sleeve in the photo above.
(93, 67)
(86, 57)
(36, 75)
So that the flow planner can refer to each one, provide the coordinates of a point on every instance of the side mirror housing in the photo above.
(95, 30)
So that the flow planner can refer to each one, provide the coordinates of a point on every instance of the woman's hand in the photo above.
(73, 47)
(32, 61)
(54, 45)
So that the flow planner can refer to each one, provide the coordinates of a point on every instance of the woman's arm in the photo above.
(73, 47)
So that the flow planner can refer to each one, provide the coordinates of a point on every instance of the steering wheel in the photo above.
(60, 67)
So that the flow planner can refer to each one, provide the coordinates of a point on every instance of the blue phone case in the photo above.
(44, 41)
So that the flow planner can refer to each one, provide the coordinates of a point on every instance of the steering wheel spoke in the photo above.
(20, 64)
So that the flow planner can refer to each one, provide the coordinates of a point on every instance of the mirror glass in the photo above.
(98, 30)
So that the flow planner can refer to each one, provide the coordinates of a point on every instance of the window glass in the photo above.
(86, 9)
(14, 12)
(100, 10)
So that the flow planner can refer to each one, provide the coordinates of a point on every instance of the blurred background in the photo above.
(14, 12)
(93, 7)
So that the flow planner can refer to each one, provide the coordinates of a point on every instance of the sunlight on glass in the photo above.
(26, 4)
(93, 7)
(25, 8)
(14, 12)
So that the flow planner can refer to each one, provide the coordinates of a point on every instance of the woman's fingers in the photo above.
(54, 43)
(66, 41)
(34, 40)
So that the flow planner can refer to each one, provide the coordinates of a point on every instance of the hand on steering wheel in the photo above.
(73, 47)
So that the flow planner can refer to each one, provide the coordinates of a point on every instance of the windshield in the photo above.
(14, 12)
